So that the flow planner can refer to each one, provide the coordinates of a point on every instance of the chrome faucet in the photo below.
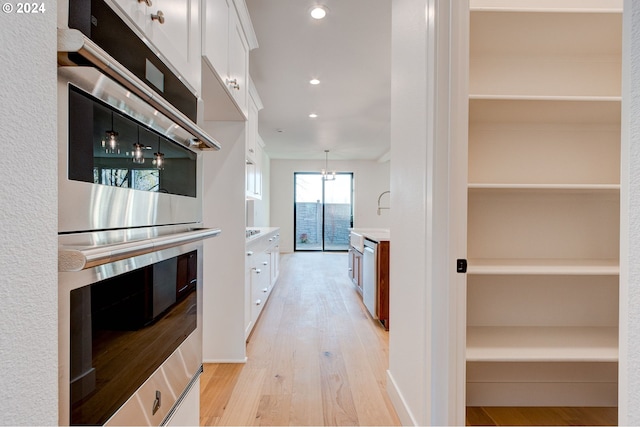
(380, 197)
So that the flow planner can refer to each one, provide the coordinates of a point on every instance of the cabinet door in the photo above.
(215, 43)
(136, 11)
(252, 131)
(238, 63)
(173, 28)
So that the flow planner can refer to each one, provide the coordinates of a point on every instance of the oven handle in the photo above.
(73, 41)
(81, 258)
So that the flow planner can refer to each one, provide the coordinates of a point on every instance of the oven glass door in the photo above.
(123, 328)
(109, 148)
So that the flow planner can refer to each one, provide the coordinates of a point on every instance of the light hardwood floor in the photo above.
(315, 356)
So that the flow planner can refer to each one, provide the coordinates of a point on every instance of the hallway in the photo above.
(315, 356)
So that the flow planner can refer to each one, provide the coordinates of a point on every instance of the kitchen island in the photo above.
(369, 269)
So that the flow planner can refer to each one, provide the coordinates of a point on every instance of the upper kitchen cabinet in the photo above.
(173, 29)
(254, 146)
(227, 38)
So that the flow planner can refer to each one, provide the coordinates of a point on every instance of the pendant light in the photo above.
(326, 175)
(158, 158)
(110, 141)
(138, 153)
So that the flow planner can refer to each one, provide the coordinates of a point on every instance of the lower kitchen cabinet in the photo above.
(382, 275)
(261, 272)
(355, 268)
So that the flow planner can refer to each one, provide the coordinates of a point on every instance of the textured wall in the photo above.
(28, 218)
(630, 221)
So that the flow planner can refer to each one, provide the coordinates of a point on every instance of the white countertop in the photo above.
(375, 234)
(264, 231)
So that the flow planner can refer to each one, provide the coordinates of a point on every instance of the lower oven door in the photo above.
(130, 337)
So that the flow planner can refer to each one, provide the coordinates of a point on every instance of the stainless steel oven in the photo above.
(130, 237)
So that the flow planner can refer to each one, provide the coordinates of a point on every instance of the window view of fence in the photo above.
(323, 211)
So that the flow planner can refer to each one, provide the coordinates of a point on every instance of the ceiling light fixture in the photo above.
(158, 158)
(318, 12)
(326, 175)
(313, 115)
(110, 140)
(138, 154)
(314, 81)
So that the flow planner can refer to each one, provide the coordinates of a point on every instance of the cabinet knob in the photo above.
(271, 239)
(233, 83)
(158, 17)
(251, 150)
(249, 253)
(265, 290)
(258, 301)
(265, 263)
(258, 271)
(147, 2)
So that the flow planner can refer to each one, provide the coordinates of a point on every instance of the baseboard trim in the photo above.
(399, 403)
(225, 360)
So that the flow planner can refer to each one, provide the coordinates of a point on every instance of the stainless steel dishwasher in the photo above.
(369, 279)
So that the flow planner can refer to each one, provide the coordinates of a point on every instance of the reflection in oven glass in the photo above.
(123, 329)
(116, 150)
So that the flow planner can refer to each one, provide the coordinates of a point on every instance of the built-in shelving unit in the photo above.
(543, 202)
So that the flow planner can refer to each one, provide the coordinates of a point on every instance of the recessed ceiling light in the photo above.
(318, 12)
(313, 115)
(314, 81)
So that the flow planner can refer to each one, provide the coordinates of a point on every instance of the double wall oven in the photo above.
(130, 225)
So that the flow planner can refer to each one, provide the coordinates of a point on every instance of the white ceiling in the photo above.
(349, 51)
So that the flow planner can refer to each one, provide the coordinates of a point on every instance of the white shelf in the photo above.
(542, 344)
(558, 6)
(553, 98)
(588, 188)
(601, 267)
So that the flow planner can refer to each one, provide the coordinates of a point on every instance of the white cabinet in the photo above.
(254, 173)
(543, 203)
(173, 29)
(215, 37)
(261, 273)
(227, 38)
(254, 147)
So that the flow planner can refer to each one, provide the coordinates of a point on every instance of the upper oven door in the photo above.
(122, 163)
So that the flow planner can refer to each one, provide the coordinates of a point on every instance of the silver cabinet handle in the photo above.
(265, 263)
(265, 290)
(258, 271)
(147, 2)
(159, 16)
(157, 402)
(249, 253)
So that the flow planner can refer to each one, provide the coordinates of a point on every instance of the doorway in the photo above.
(322, 211)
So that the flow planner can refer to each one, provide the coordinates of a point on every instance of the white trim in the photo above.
(399, 403)
(225, 360)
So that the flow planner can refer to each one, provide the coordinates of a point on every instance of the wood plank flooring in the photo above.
(541, 416)
(315, 356)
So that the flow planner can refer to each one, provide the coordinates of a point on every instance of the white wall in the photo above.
(629, 368)
(28, 219)
(224, 256)
(424, 336)
(370, 179)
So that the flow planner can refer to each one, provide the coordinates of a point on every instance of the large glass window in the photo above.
(323, 211)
